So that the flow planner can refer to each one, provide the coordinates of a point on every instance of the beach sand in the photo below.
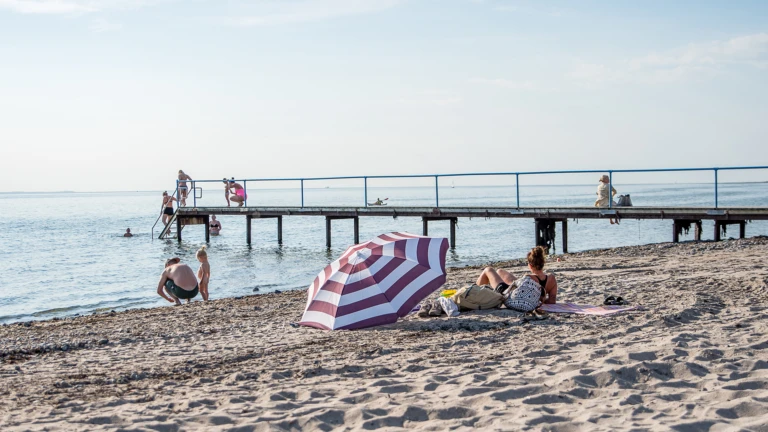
(695, 360)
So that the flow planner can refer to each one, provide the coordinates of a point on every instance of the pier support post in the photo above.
(719, 225)
(178, 228)
(248, 229)
(717, 230)
(453, 233)
(453, 221)
(279, 230)
(565, 235)
(328, 232)
(680, 225)
(207, 229)
(742, 229)
(356, 222)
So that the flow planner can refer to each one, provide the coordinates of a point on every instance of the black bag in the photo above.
(624, 201)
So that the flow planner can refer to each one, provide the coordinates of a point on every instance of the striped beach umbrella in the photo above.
(376, 282)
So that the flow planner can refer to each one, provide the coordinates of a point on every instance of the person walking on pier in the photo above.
(167, 207)
(177, 282)
(236, 190)
(603, 195)
(183, 187)
(215, 226)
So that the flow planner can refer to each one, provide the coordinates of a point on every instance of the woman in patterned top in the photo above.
(533, 289)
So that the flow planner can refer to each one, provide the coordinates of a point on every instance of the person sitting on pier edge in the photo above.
(127, 233)
(530, 291)
(167, 207)
(215, 225)
(177, 281)
(238, 195)
(603, 195)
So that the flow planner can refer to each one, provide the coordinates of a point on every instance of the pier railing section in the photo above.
(303, 181)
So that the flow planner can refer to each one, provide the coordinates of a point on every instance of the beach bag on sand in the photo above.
(526, 297)
(449, 307)
(475, 297)
(624, 201)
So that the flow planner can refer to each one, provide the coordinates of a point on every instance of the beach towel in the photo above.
(572, 308)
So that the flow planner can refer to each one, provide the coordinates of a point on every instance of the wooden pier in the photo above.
(545, 219)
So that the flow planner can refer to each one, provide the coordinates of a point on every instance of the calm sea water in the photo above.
(63, 253)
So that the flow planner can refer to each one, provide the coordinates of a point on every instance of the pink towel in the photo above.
(573, 308)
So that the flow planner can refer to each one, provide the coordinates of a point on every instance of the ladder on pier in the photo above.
(167, 231)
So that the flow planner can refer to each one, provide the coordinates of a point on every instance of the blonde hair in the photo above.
(202, 253)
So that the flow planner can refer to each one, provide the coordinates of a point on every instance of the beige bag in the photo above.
(475, 297)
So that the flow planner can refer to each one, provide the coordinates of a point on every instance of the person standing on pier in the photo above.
(183, 187)
(603, 196)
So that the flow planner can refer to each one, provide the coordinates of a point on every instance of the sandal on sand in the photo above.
(540, 314)
(436, 309)
(610, 300)
(425, 308)
(620, 301)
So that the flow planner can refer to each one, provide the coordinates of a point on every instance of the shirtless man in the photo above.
(177, 281)
(183, 186)
(127, 233)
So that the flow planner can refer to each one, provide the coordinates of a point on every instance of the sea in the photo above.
(64, 254)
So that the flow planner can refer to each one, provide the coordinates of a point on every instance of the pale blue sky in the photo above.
(121, 94)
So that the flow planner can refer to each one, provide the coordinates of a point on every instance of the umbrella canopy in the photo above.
(376, 282)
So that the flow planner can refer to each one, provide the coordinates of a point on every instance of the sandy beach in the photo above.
(696, 359)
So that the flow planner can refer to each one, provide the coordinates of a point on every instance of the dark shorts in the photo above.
(168, 211)
(181, 292)
(501, 287)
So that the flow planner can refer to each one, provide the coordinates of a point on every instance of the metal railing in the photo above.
(437, 178)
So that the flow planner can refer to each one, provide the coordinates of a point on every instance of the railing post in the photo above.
(437, 197)
(610, 189)
(194, 195)
(178, 195)
(715, 187)
(302, 193)
(365, 193)
(517, 188)
(245, 193)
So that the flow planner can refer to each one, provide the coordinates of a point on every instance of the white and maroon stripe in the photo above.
(359, 290)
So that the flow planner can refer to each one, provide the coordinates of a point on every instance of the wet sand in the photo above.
(695, 359)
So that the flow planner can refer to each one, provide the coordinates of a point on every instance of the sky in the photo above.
(105, 95)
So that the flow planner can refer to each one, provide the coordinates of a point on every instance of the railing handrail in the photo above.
(517, 175)
(478, 174)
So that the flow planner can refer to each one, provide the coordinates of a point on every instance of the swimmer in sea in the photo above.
(215, 226)
(177, 282)
(127, 233)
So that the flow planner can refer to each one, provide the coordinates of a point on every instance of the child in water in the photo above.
(204, 272)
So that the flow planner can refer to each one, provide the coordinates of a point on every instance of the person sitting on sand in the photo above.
(603, 197)
(238, 193)
(179, 282)
(215, 226)
(204, 272)
(127, 233)
(532, 289)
